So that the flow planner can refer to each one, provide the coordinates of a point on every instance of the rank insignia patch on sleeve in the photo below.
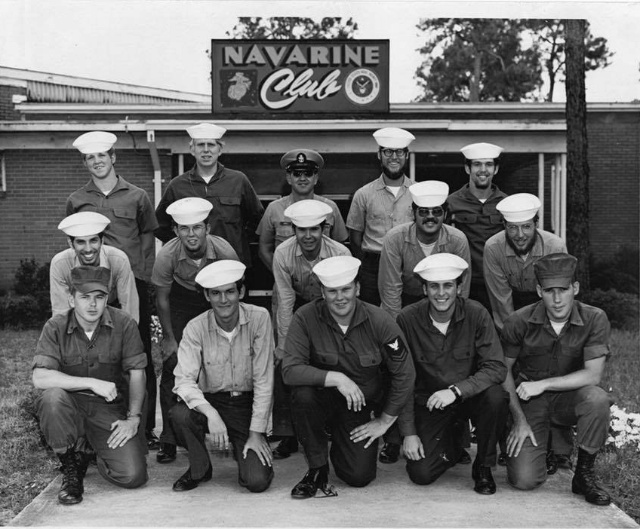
(396, 349)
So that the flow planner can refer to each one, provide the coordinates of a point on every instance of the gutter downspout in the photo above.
(157, 175)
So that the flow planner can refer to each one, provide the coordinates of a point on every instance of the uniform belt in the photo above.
(232, 394)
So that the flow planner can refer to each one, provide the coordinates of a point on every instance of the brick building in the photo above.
(41, 114)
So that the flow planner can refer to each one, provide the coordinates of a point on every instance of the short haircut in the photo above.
(496, 161)
(205, 222)
(322, 225)
(239, 284)
(192, 143)
(110, 152)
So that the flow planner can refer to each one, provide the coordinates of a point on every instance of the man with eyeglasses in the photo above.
(379, 206)
(510, 254)
(236, 207)
(177, 297)
(302, 168)
(408, 244)
(472, 209)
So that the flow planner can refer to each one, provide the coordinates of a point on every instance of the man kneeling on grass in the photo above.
(556, 351)
(82, 362)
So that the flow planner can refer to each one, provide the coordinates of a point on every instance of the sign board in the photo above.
(300, 76)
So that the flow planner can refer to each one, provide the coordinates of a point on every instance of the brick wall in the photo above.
(7, 113)
(38, 184)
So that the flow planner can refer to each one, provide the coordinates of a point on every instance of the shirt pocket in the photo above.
(284, 230)
(496, 218)
(370, 358)
(124, 213)
(464, 360)
(71, 360)
(327, 358)
(230, 209)
(465, 218)
(534, 362)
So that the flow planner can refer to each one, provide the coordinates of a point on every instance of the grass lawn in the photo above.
(28, 467)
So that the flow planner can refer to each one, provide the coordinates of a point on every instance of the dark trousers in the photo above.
(587, 407)
(369, 278)
(65, 417)
(437, 431)
(282, 417)
(313, 407)
(191, 427)
(478, 292)
(145, 333)
(185, 305)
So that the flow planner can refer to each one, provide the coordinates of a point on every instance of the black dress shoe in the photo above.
(166, 454)
(186, 482)
(484, 483)
(502, 459)
(153, 443)
(390, 453)
(464, 458)
(314, 479)
(287, 446)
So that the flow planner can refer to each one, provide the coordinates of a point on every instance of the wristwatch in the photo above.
(129, 415)
(456, 391)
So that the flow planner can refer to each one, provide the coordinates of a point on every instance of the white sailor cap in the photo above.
(301, 159)
(393, 138)
(206, 131)
(520, 207)
(96, 141)
(189, 211)
(307, 213)
(337, 271)
(429, 194)
(84, 224)
(441, 267)
(480, 151)
(218, 273)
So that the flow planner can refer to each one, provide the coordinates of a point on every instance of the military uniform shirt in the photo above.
(504, 271)
(276, 228)
(528, 336)
(401, 252)
(375, 210)
(209, 363)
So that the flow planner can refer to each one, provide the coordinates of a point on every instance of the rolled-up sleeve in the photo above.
(48, 348)
(357, 211)
(597, 344)
(262, 372)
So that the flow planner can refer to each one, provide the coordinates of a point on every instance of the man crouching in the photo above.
(82, 362)
(224, 377)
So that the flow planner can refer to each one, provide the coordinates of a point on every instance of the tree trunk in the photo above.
(577, 148)
(474, 86)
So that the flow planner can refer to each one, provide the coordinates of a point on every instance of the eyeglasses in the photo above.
(302, 172)
(400, 153)
(514, 229)
(436, 212)
(186, 230)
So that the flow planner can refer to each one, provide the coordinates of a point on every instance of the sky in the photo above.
(164, 43)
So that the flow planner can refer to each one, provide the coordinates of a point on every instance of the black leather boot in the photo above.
(314, 479)
(72, 486)
(584, 480)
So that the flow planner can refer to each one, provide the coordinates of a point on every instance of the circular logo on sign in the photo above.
(362, 86)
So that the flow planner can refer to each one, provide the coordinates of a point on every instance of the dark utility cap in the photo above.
(555, 270)
(301, 159)
(87, 279)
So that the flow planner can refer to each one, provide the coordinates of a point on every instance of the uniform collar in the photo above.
(412, 236)
(195, 176)
(73, 324)
(495, 190)
(459, 312)
(359, 315)
(379, 183)
(121, 183)
(324, 251)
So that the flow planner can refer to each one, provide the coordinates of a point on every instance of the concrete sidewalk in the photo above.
(390, 501)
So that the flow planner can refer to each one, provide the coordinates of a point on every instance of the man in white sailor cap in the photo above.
(510, 254)
(85, 235)
(236, 207)
(295, 285)
(177, 298)
(133, 221)
(408, 244)
(224, 379)
(302, 168)
(472, 209)
(335, 355)
(459, 370)
(379, 206)
(509, 275)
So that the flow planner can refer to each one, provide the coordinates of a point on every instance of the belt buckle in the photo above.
(235, 393)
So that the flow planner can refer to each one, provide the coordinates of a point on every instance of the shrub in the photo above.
(24, 312)
(622, 308)
(619, 272)
(31, 278)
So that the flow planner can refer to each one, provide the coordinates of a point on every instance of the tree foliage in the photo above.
(549, 38)
(476, 60)
(497, 59)
(293, 28)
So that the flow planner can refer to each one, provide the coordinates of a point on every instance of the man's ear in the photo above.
(70, 242)
(466, 169)
(72, 301)
(576, 288)
(205, 291)
(113, 158)
(357, 289)
(174, 228)
(242, 292)
(539, 291)
(424, 288)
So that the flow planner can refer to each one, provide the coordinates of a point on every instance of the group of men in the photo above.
(446, 308)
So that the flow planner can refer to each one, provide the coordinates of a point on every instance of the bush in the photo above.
(31, 278)
(622, 308)
(25, 312)
(619, 272)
